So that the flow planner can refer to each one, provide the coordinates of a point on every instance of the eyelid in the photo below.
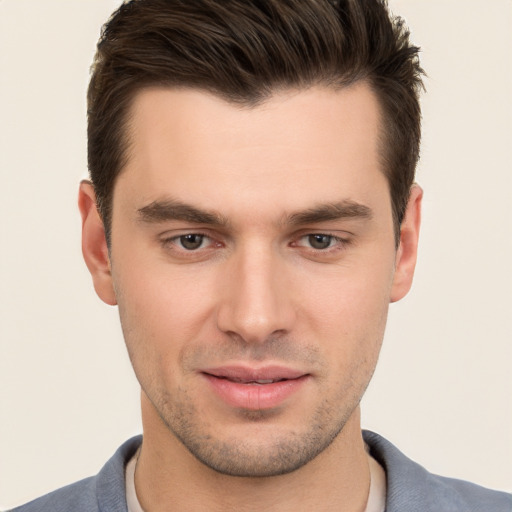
(171, 240)
(342, 241)
(334, 233)
(169, 234)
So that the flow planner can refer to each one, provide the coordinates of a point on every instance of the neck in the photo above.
(168, 477)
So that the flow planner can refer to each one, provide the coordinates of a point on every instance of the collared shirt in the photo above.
(376, 497)
(409, 486)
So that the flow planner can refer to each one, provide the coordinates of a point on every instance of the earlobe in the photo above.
(94, 244)
(408, 249)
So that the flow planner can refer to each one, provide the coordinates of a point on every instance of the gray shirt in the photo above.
(410, 488)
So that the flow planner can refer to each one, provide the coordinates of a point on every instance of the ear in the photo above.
(94, 244)
(408, 248)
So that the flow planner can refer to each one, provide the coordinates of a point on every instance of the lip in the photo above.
(249, 388)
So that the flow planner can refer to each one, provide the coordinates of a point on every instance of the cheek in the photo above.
(162, 313)
(350, 298)
(350, 313)
(157, 297)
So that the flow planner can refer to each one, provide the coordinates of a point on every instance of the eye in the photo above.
(192, 241)
(320, 241)
(190, 246)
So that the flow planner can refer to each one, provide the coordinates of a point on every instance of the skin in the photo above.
(258, 290)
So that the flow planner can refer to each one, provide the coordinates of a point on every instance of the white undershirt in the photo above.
(376, 496)
(131, 495)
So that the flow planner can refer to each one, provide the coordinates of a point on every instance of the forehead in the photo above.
(311, 145)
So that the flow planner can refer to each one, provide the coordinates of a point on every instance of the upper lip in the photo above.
(243, 373)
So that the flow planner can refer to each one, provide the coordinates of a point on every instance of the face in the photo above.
(253, 260)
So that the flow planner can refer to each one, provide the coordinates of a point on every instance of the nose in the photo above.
(255, 299)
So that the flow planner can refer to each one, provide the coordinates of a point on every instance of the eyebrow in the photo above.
(331, 211)
(170, 209)
(162, 211)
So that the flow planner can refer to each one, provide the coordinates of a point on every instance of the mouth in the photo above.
(255, 388)
(260, 381)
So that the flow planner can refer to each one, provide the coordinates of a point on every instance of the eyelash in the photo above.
(175, 240)
(336, 243)
(339, 242)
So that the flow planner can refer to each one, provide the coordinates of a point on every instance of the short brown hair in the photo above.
(245, 50)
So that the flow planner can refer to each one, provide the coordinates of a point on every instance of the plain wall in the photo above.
(442, 390)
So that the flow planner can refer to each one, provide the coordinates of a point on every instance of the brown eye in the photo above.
(192, 241)
(320, 241)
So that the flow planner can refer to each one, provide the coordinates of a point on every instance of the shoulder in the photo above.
(78, 496)
(101, 493)
(466, 496)
(411, 487)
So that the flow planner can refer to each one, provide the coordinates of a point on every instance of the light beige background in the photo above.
(442, 391)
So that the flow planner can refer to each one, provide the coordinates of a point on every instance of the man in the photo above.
(253, 212)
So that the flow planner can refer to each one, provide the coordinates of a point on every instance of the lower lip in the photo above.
(255, 397)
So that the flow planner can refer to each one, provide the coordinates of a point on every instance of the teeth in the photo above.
(258, 381)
